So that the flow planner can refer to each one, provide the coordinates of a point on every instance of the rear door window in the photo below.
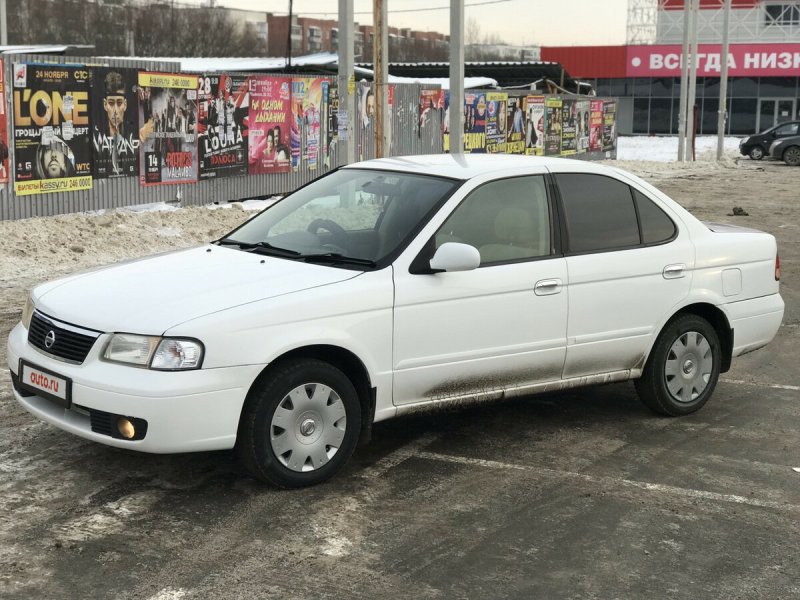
(599, 213)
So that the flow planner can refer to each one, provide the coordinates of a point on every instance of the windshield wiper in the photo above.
(336, 258)
(257, 247)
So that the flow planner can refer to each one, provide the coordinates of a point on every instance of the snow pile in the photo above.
(665, 149)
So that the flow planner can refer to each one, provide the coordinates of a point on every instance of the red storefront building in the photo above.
(763, 66)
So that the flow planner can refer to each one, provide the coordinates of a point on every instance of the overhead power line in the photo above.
(410, 10)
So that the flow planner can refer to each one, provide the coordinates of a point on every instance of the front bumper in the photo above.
(186, 411)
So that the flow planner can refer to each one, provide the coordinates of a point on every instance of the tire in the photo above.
(683, 368)
(791, 156)
(756, 153)
(299, 424)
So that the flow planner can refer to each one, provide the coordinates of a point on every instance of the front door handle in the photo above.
(674, 271)
(547, 287)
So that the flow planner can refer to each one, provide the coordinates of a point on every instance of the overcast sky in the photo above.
(540, 22)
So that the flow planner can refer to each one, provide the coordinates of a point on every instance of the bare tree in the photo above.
(160, 29)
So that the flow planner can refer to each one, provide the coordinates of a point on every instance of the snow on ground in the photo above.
(665, 148)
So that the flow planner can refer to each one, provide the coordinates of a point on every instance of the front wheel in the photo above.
(792, 156)
(756, 153)
(683, 367)
(300, 424)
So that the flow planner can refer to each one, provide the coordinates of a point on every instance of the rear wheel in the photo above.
(683, 368)
(756, 153)
(300, 424)
(791, 156)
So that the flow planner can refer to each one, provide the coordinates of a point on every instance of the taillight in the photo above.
(777, 268)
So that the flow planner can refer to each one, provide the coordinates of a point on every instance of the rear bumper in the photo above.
(755, 322)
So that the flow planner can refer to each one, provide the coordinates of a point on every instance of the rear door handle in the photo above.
(674, 271)
(547, 287)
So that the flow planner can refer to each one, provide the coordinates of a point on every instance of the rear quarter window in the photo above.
(657, 227)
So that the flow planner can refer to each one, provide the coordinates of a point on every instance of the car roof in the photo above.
(468, 166)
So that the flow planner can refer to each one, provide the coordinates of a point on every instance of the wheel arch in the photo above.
(344, 360)
(718, 320)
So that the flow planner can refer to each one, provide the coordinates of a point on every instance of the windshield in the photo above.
(361, 215)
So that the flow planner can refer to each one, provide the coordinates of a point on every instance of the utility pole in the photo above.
(346, 79)
(690, 124)
(684, 82)
(380, 54)
(456, 76)
(289, 39)
(3, 24)
(723, 82)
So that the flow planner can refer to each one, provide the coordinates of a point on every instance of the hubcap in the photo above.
(308, 427)
(688, 367)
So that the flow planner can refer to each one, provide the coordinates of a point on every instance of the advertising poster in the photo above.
(313, 100)
(270, 124)
(552, 120)
(222, 125)
(609, 124)
(365, 107)
(569, 127)
(515, 126)
(115, 135)
(535, 130)
(298, 131)
(583, 125)
(52, 141)
(475, 122)
(431, 105)
(332, 131)
(596, 126)
(3, 129)
(167, 128)
(496, 108)
(308, 98)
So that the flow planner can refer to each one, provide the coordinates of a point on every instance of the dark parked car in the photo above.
(787, 150)
(757, 146)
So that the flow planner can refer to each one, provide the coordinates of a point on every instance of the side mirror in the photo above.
(453, 256)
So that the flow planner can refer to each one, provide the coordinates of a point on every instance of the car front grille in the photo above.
(64, 343)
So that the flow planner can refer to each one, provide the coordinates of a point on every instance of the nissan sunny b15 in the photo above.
(392, 285)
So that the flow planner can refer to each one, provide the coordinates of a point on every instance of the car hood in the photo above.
(152, 294)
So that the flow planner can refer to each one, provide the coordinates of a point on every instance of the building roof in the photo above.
(506, 73)
(73, 49)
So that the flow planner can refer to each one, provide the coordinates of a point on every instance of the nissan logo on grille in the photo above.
(50, 339)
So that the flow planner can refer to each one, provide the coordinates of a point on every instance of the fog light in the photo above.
(126, 428)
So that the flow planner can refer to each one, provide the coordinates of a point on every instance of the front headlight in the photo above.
(27, 312)
(131, 349)
(168, 354)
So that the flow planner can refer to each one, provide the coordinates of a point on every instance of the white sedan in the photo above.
(392, 285)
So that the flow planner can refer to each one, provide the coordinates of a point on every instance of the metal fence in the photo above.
(127, 191)
(407, 138)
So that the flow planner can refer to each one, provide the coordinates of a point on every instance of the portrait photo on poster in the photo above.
(52, 141)
(115, 136)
